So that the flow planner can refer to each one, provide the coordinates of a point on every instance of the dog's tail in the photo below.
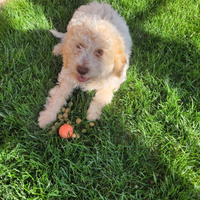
(58, 49)
(57, 34)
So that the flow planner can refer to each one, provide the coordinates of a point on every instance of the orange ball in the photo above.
(66, 131)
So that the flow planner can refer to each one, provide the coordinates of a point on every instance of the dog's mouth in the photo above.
(81, 78)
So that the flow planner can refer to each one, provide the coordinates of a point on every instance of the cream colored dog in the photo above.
(95, 51)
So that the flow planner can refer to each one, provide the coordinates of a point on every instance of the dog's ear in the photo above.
(119, 62)
(58, 49)
(65, 56)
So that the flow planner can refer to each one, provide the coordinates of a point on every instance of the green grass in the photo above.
(147, 143)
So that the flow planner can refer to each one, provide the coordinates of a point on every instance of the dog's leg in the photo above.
(101, 98)
(57, 98)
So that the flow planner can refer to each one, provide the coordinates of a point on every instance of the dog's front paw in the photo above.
(93, 116)
(46, 118)
(93, 112)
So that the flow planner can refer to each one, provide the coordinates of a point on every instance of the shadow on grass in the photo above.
(133, 155)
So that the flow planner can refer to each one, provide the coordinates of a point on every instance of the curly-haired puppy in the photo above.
(95, 51)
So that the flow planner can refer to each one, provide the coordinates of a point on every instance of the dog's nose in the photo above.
(82, 70)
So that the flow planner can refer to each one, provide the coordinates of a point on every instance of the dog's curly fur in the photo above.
(95, 51)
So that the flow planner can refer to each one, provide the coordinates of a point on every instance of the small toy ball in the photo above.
(65, 115)
(66, 131)
(78, 121)
(60, 117)
(66, 110)
(68, 122)
(91, 124)
(73, 136)
(76, 136)
(53, 128)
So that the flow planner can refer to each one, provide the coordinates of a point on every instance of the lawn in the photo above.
(146, 144)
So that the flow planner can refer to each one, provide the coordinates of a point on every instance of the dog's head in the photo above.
(92, 48)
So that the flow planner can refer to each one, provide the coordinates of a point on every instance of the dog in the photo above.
(95, 52)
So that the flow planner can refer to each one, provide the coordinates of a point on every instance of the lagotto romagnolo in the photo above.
(95, 51)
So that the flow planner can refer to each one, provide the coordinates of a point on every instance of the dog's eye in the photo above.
(99, 52)
(79, 46)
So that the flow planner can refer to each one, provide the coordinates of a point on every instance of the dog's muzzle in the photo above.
(82, 70)
(81, 78)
